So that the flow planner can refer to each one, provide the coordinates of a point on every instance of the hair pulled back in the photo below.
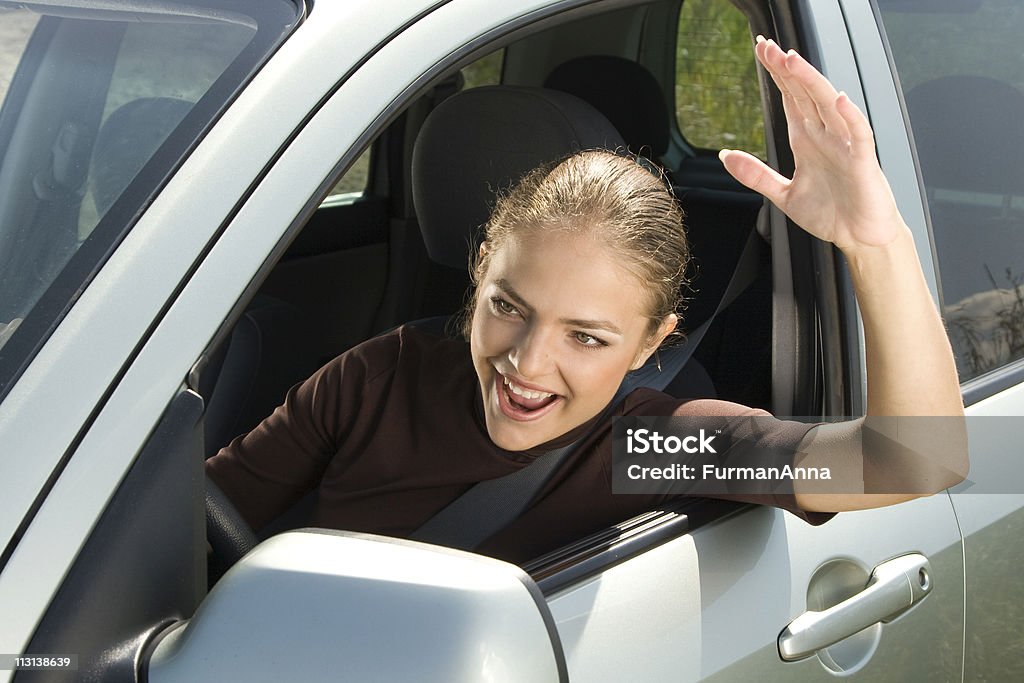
(601, 195)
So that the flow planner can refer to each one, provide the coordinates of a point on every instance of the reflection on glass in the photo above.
(965, 100)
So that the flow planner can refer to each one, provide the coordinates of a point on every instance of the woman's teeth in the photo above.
(525, 393)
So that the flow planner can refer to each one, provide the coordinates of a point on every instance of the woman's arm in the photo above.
(838, 193)
(264, 472)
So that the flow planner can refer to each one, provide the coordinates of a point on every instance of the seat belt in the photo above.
(673, 358)
(489, 506)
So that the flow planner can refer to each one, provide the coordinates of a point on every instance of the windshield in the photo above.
(100, 102)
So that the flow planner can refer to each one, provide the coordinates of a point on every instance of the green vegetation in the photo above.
(484, 71)
(718, 100)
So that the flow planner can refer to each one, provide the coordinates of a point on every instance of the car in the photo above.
(202, 202)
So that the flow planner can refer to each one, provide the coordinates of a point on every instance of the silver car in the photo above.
(201, 201)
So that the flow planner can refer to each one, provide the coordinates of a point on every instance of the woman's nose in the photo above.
(531, 355)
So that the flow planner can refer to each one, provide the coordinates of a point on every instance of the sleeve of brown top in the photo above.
(768, 433)
(267, 470)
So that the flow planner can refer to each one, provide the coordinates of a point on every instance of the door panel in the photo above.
(712, 604)
(993, 526)
(143, 565)
(974, 218)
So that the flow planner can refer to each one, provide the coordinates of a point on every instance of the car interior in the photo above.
(390, 243)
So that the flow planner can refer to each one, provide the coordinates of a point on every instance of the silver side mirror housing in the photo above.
(316, 605)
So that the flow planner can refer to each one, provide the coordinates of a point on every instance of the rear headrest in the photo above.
(624, 91)
(483, 140)
(967, 132)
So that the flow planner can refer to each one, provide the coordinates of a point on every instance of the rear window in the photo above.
(100, 104)
(961, 68)
(717, 94)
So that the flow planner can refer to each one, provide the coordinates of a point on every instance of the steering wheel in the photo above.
(227, 532)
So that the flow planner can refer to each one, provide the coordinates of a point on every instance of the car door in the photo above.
(964, 111)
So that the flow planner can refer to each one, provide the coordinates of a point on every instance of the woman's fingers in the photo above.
(818, 90)
(760, 48)
(774, 61)
(755, 174)
(789, 104)
(813, 95)
(856, 122)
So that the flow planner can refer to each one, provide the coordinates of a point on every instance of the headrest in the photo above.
(482, 141)
(127, 140)
(624, 91)
(967, 133)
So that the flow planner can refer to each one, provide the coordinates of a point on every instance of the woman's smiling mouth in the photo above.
(521, 404)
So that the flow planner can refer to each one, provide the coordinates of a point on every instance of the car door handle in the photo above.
(894, 587)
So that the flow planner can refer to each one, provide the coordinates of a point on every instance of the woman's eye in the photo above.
(588, 340)
(502, 306)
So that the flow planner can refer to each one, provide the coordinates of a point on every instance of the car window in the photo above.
(965, 102)
(99, 106)
(15, 30)
(717, 96)
(355, 182)
(484, 71)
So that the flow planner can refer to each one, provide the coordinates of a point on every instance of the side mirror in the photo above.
(318, 605)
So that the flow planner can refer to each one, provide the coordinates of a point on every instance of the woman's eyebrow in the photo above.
(507, 289)
(592, 325)
(605, 325)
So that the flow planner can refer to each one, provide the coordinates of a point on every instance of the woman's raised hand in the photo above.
(837, 192)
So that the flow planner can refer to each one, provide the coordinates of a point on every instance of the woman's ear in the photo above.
(668, 324)
(476, 265)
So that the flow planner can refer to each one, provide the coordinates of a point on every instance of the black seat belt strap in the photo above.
(489, 506)
(673, 358)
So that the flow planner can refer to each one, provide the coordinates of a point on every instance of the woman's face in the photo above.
(557, 325)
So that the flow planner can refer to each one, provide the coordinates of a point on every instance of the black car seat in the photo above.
(481, 141)
(250, 373)
(625, 92)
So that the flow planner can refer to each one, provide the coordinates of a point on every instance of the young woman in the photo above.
(576, 284)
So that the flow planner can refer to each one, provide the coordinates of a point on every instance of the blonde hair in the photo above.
(602, 195)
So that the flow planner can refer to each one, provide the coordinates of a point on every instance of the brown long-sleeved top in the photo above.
(392, 431)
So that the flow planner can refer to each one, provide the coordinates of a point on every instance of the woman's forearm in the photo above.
(913, 440)
(910, 366)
